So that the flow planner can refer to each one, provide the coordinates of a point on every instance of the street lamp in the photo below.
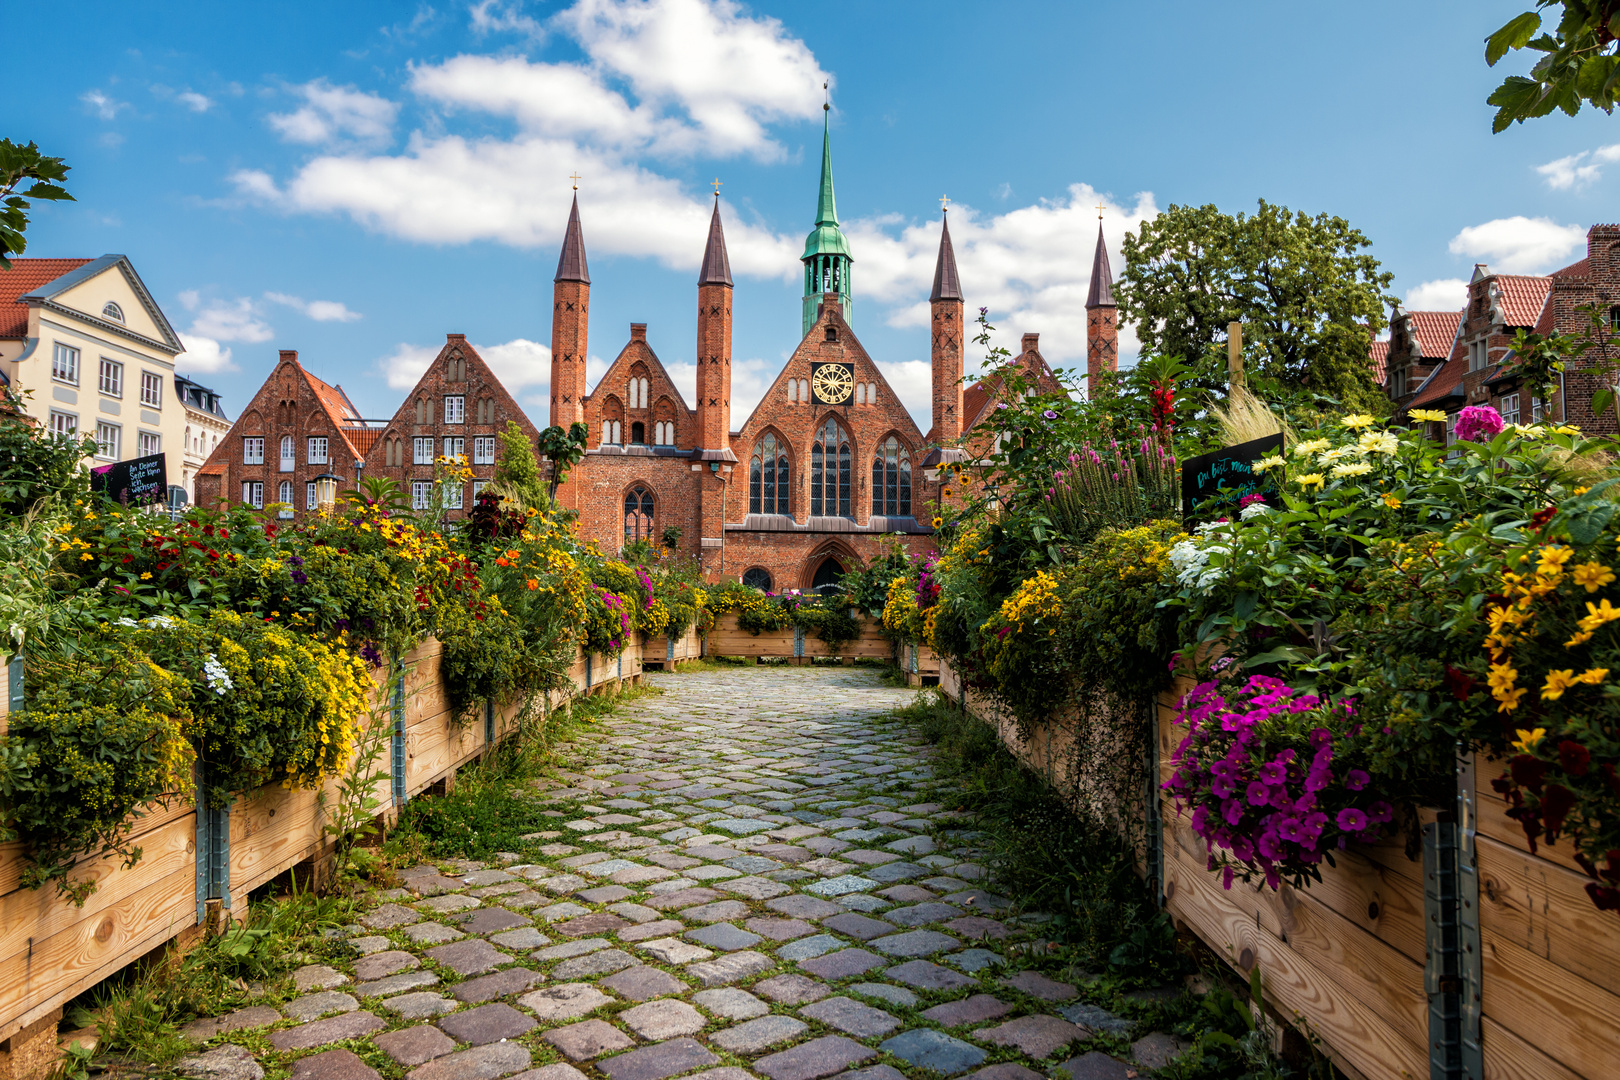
(326, 487)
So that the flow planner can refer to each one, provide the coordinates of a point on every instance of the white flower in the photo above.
(1253, 510)
(1275, 461)
(1355, 468)
(1378, 442)
(1190, 559)
(219, 680)
(1328, 457)
(158, 620)
(1305, 449)
(126, 621)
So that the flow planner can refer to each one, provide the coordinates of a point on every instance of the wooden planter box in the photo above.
(726, 638)
(664, 653)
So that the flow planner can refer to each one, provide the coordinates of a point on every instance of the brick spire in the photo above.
(1102, 318)
(716, 265)
(948, 348)
(570, 325)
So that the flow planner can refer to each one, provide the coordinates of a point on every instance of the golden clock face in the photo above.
(832, 383)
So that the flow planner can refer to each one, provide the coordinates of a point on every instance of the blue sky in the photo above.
(355, 180)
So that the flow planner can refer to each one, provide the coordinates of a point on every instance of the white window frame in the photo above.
(454, 493)
(317, 450)
(455, 445)
(152, 389)
(309, 495)
(111, 378)
(148, 443)
(253, 493)
(478, 486)
(64, 423)
(422, 450)
(421, 494)
(64, 364)
(252, 450)
(109, 449)
(455, 409)
(483, 450)
(1478, 354)
(1509, 408)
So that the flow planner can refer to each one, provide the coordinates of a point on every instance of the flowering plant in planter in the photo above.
(1275, 780)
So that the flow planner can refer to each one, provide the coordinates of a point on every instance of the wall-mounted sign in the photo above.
(1227, 475)
(832, 384)
(134, 483)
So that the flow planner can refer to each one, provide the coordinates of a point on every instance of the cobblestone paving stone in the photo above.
(753, 873)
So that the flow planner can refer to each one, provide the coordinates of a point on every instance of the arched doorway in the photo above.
(828, 575)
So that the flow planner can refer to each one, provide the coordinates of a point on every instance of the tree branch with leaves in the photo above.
(1579, 61)
(24, 165)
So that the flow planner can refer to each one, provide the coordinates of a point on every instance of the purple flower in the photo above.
(341, 626)
(1477, 420)
(369, 653)
(1259, 794)
(1355, 779)
(1291, 829)
(300, 577)
(1049, 414)
(296, 560)
(1352, 820)
(1273, 773)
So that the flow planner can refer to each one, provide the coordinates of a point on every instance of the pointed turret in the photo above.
(571, 263)
(1102, 319)
(826, 255)
(716, 265)
(948, 348)
(570, 324)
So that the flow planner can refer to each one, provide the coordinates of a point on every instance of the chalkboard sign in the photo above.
(1228, 474)
(133, 483)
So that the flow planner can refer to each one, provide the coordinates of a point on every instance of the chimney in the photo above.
(289, 356)
(1032, 343)
(638, 331)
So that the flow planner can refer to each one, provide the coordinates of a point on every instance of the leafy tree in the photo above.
(517, 470)
(1578, 62)
(1303, 288)
(564, 450)
(21, 165)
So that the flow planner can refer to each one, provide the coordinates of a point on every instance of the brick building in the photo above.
(458, 408)
(828, 467)
(1449, 360)
(296, 431)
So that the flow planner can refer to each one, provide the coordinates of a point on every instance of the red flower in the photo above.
(1574, 757)
(1556, 803)
(1605, 898)
(1528, 771)
(1541, 517)
(1459, 682)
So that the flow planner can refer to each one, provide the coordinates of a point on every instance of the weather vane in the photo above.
(576, 178)
(945, 202)
(716, 184)
(826, 106)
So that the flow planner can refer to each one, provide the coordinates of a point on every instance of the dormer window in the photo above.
(113, 312)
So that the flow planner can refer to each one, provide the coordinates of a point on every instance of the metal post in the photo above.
(489, 723)
(213, 850)
(1441, 982)
(14, 683)
(1470, 959)
(798, 643)
(587, 671)
(1155, 823)
(397, 748)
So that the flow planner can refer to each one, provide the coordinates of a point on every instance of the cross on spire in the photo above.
(716, 184)
(1100, 208)
(944, 202)
(576, 178)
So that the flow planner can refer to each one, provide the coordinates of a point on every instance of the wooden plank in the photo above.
(13, 856)
(1493, 821)
(1349, 1028)
(1508, 1057)
(64, 964)
(1543, 907)
(1572, 1020)
(272, 829)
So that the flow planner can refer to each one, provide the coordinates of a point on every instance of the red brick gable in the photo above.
(612, 395)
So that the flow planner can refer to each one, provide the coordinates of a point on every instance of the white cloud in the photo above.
(405, 366)
(334, 113)
(494, 17)
(319, 310)
(1519, 245)
(225, 320)
(1444, 294)
(203, 355)
(1578, 170)
(102, 105)
(560, 100)
(194, 101)
(520, 364)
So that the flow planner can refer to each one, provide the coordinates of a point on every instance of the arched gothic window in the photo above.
(768, 477)
(288, 456)
(284, 492)
(638, 514)
(891, 479)
(757, 577)
(830, 480)
(610, 432)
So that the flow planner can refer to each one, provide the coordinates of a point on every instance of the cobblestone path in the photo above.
(752, 874)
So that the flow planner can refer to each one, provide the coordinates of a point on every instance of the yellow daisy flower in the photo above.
(1527, 740)
(1593, 575)
(1428, 416)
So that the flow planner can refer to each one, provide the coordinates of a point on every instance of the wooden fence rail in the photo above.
(51, 951)
(1351, 960)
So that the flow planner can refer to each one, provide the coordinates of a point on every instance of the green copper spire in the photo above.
(826, 255)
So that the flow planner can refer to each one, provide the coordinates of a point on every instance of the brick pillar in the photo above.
(714, 367)
(1102, 344)
(570, 318)
(948, 351)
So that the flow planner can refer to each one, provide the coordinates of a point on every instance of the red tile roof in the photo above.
(1576, 269)
(362, 438)
(1436, 331)
(339, 408)
(1522, 297)
(1446, 380)
(24, 277)
(1379, 351)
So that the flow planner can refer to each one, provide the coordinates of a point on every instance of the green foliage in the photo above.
(517, 470)
(483, 816)
(1302, 287)
(1578, 61)
(564, 450)
(36, 464)
(23, 164)
(866, 588)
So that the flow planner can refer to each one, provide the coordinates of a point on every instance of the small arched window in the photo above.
(113, 312)
(638, 514)
(768, 477)
(757, 577)
(830, 471)
(638, 433)
(891, 479)
(289, 457)
(284, 493)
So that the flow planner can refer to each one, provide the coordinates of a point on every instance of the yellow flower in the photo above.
(1275, 461)
(1582, 490)
(1510, 699)
(1551, 560)
(1354, 468)
(1527, 740)
(1593, 575)
(1580, 638)
(1314, 446)
(1593, 676)
(1357, 420)
(1501, 677)
(1378, 442)
(1310, 480)
(1557, 682)
(1428, 416)
(85, 557)
(1391, 501)
(146, 575)
(1598, 614)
